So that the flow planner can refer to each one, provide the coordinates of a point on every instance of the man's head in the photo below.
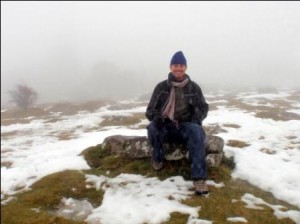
(178, 65)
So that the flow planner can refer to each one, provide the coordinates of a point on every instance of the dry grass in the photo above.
(53, 120)
(231, 125)
(10, 121)
(213, 106)
(16, 113)
(9, 134)
(268, 151)
(276, 112)
(295, 96)
(267, 89)
(122, 120)
(237, 143)
(68, 108)
(126, 106)
(277, 115)
(16, 116)
(65, 135)
(291, 137)
(6, 164)
(213, 129)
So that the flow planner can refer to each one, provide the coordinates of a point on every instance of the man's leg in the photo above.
(156, 137)
(194, 136)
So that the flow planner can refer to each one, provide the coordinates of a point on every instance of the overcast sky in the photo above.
(90, 50)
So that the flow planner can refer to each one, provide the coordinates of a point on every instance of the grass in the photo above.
(46, 195)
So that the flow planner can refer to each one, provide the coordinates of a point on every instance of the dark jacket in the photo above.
(192, 92)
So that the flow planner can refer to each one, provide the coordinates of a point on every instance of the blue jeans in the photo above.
(189, 133)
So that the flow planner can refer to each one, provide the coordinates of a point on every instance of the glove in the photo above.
(159, 121)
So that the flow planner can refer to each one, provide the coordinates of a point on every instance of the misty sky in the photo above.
(90, 50)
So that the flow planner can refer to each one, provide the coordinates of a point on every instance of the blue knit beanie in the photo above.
(178, 58)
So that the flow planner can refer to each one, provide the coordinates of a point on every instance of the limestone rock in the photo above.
(137, 147)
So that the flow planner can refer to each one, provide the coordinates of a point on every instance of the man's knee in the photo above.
(151, 127)
(153, 130)
(194, 129)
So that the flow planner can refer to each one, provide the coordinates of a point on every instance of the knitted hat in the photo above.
(178, 58)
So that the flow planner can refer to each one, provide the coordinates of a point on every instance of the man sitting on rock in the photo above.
(176, 111)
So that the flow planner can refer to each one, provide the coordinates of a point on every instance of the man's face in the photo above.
(178, 71)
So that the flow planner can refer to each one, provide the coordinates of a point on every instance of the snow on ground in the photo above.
(252, 202)
(271, 161)
(270, 96)
(277, 172)
(140, 199)
(37, 153)
(236, 219)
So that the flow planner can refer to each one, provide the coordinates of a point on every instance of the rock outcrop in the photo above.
(137, 147)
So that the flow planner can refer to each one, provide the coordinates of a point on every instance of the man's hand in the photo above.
(159, 121)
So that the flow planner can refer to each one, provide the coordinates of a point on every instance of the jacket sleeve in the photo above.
(203, 106)
(151, 112)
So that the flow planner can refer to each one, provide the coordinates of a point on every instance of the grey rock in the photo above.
(214, 160)
(214, 144)
(136, 147)
(74, 209)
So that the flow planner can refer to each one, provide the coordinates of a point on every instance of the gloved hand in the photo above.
(159, 121)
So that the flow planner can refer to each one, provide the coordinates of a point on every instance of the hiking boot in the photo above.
(200, 187)
(157, 165)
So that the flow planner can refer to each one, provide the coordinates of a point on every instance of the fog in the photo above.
(92, 50)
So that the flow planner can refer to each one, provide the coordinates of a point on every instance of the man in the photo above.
(176, 111)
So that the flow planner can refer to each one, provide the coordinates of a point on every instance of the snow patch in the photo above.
(139, 199)
(236, 219)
